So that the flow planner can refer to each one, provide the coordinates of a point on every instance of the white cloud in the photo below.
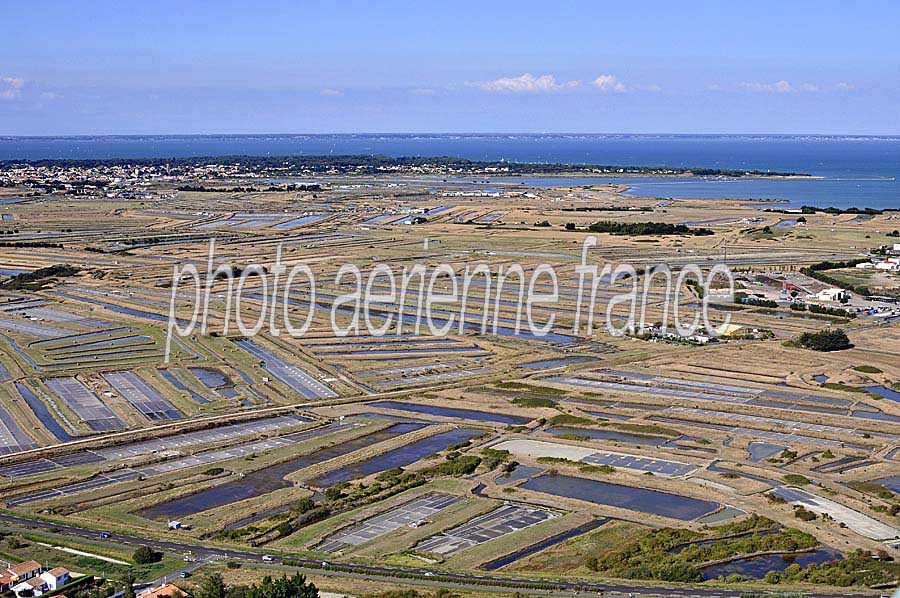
(10, 87)
(844, 86)
(423, 91)
(526, 83)
(777, 87)
(332, 92)
(609, 83)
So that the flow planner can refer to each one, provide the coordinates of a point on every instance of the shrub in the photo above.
(535, 402)
(867, 369)
(795, 479)
(144, 555)
(824, 340)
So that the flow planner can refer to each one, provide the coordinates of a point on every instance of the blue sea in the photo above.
(856, 171)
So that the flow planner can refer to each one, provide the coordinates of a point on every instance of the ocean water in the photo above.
(856, 171)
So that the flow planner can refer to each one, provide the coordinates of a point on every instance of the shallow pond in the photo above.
(760, 451)
(885, 392)
(558, 362)
(211, 378)
(268, 479)
(171, 379)
(43, 414)
(399, 457)
(757, 567)
(626, 497)
(470, 414)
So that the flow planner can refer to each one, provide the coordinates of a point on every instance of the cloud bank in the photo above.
(526, 83)
(11, 87)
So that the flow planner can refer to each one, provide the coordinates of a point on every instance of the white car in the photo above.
(267, 558)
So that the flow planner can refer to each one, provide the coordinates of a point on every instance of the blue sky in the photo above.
(239, 67)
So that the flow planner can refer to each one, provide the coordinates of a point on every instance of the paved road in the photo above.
(402, 575)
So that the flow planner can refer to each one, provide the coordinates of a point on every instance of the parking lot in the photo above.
(407, 514)
(498, 523)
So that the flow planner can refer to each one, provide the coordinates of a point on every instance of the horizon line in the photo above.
(445, 134)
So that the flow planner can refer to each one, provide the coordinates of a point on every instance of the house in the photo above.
(56, 577)
(164, 591)
(23, 571)
(5, 581)
(31, 587)
(832, 294)
(892, 264)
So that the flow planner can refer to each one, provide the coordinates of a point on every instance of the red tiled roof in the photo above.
(58, 571)
(26, 567)
(166, 590)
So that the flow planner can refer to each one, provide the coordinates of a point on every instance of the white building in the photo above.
(833, 294)
(31, 587)
(56, 577)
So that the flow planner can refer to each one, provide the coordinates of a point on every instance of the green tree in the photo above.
(213, 586)
(824, 340)
(283, 587)
(304, 504)
(144, 555)
(14, 542)
(333, 493)
(285, 528)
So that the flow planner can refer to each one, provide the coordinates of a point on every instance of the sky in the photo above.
(163, 67)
